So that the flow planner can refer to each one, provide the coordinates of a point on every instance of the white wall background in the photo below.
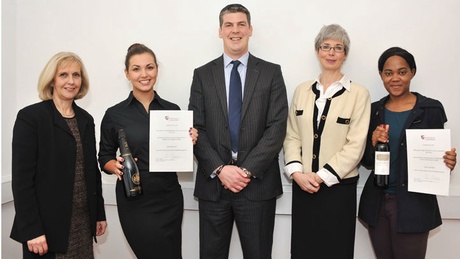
(184, 35)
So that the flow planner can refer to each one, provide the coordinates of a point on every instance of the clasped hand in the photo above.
(234, 178)
(308, 181)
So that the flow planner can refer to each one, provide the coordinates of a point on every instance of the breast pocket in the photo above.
(342, 128)
(345, 121)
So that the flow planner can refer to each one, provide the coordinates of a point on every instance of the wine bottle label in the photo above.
(382, 163)
(136, 179)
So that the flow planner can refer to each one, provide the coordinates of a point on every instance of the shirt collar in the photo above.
(156, 98)
(344, 82)
(243, 59)
(130, 98)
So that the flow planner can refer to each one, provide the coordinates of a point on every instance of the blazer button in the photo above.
(323, 117)
(314, 156)
(316, 136)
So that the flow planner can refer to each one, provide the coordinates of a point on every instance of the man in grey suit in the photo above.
(238, 182)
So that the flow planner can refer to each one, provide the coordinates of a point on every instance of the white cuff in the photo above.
(292, 168)
(328, 178)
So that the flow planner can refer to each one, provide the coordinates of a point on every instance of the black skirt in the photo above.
(152, 221)
(323, 224)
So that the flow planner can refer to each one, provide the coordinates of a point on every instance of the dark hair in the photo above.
(234, 8)
(397, 51)
(137, 49)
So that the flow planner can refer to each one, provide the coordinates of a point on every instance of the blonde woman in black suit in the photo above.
(56, 181)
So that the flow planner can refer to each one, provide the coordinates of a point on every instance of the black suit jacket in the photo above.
(263, 127)
(44, 158)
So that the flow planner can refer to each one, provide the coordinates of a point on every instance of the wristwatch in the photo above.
(249, 174)
(219, 170)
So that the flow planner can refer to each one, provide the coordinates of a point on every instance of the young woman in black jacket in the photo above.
(399, 221)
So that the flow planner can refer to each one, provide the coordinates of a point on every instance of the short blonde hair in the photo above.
(45, 90)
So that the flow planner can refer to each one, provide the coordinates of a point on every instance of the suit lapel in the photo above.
(57, 118)
(252, 74)
(219, 82)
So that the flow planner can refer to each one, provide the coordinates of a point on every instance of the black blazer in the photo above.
(263, 127)
(44, 158)
(417, 212)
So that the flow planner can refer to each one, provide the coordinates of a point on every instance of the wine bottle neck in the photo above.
(124, 148)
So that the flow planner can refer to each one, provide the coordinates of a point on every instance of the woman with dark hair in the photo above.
(56, 181)
(152, 221)
(398, 220)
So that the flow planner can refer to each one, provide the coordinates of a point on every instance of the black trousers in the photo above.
(254, 220)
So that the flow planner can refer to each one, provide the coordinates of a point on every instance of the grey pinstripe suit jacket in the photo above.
(262, 130)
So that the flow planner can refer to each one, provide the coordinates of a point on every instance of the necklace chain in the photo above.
(66, 115)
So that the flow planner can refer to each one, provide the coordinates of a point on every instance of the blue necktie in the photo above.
(234, 106)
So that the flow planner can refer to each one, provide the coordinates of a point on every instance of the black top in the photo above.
(131, 116)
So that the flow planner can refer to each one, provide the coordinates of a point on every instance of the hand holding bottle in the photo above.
(380, 134)
(131, 175)
(117, 166)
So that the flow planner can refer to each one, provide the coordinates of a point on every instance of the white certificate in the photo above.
(171, 148)
(427, 172)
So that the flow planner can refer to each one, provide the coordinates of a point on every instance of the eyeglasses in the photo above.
(336, 48)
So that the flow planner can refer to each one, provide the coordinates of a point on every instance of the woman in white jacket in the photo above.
(325, 140)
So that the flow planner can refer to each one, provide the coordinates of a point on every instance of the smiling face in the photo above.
(396, 76)
(235, 32)
(67, 82)
(142, 72)
(331, 60)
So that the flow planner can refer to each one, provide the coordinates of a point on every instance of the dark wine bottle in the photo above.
(131, 176)
(382, 164)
